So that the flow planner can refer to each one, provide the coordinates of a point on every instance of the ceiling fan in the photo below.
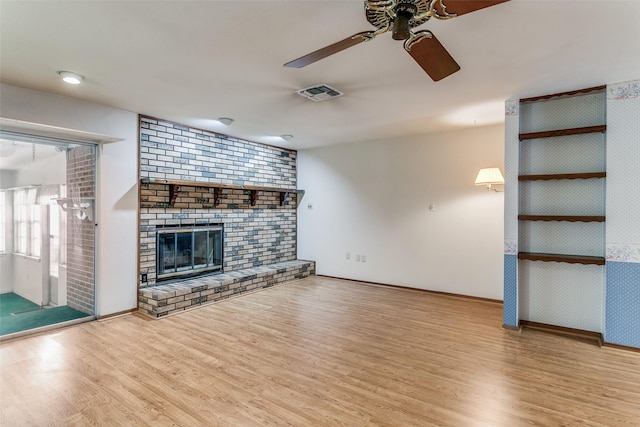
(401, 17)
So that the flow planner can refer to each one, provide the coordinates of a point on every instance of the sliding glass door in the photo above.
(47, 233)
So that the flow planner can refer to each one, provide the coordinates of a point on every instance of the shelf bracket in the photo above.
(299, 196)
(216, 196)
(81, 208)
(173, 193)
(283, 197)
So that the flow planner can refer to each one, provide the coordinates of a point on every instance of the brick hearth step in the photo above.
(177, 296)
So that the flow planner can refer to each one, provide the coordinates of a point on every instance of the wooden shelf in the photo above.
(563, 132)
(563, 94)
(584, 175)
(571, 259)
(569, 218)
(174, 186)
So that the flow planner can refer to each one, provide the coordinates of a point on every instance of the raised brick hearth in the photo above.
(178, 296)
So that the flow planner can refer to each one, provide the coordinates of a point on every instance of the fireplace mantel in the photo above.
(174, 187)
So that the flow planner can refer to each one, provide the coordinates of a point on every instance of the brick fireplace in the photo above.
(194, 178)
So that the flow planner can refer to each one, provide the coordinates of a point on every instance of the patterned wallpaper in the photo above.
(623, 172)
(623, 215)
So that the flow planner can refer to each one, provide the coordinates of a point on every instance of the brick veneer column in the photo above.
(81, 164)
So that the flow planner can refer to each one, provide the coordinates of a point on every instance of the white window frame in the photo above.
(27, 225)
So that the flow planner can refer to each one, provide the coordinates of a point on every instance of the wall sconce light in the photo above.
(489, 177)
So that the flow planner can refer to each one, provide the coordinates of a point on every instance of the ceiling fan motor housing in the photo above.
(386, 15)
(405, 10)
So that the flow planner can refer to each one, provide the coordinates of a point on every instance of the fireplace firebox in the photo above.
(188, 251)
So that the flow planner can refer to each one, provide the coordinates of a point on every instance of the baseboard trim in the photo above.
(621, 347)
(580, 334)
(407, 288)
(517, 328)
(118, 314)
(45, 329)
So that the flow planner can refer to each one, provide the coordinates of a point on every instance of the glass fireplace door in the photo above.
(184, 251)
(188, 251)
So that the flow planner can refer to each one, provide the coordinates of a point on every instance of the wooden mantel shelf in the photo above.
(571, 259)
(174, 186)
(216, 185)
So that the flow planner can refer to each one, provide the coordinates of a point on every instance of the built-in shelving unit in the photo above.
(540, 120)
(561, 214)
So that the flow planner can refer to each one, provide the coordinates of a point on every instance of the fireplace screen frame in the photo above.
(184, 258)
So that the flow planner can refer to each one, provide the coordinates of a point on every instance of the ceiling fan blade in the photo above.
(460, 7)
(429, 53)
(330, 50)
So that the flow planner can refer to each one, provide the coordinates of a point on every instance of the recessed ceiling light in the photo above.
(286, 137)
(225, 120)
(71, 78)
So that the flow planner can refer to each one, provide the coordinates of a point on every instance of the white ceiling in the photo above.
(15, 155)
(192, 61)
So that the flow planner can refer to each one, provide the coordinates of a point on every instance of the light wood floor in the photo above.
(317, 352)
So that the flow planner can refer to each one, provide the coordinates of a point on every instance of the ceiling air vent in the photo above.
(320, 93)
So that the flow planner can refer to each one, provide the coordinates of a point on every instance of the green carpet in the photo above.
(12, 303)
(19, 314)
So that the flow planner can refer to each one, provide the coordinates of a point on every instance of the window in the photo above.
(3, 222)
(57, 228)
(28, 208)
(36, 230)
(27, 223)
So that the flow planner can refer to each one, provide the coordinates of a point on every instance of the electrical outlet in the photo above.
(363, 258)
(143, 277)
(357, 258)
(348, 256)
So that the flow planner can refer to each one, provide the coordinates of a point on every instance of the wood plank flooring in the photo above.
(317, 352)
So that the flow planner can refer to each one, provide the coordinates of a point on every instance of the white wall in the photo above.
(27, 277)
(116, 260)
(6, 273)
(52, 170)
(7, 178)
(372, 199)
